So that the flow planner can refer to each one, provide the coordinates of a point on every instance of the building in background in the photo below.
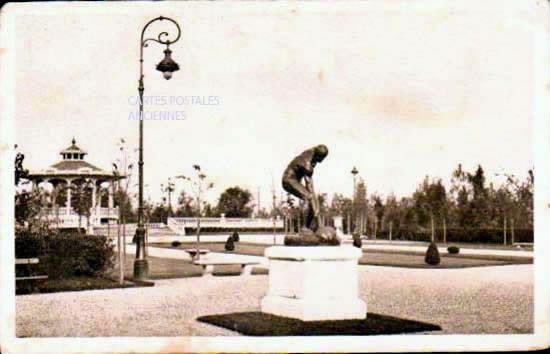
(68, 182)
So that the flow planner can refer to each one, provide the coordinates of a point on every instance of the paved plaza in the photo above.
(482, 300)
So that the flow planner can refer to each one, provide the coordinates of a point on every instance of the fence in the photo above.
(181, 226)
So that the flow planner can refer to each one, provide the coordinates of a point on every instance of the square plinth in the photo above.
(315, 309)
(314, 283)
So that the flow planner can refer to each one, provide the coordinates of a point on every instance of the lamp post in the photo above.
(167, 66)
(354, 172)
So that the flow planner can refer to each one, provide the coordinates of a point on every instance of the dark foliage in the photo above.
(432, 255)
(453, 250)
(468, 235)
(63, 255)
(233, 202)
(20, 171)
(357, 242)
(29, 245)
(235, 236)
(229, 245)
(406, 234)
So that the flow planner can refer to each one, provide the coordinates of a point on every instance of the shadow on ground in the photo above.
(262, 324)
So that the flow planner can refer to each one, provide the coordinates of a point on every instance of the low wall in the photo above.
(252, 238)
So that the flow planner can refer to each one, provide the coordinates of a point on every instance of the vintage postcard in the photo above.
(274, 176)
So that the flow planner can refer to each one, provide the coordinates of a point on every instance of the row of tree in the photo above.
(469, 203)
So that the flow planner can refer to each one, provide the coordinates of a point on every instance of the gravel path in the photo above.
(473, 300)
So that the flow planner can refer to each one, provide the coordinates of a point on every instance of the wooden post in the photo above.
(391, 224)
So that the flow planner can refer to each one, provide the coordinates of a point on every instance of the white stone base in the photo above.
(314, 283)
(315, 309)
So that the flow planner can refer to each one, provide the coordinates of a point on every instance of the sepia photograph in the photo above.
(259, 176)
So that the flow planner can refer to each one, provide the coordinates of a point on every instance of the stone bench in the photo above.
(193, 251)
(523, 244)
(30, 278)
(208, 265)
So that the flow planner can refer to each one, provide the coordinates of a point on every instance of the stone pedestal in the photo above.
(314, 283)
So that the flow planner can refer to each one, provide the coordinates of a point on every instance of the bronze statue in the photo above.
(301, 167)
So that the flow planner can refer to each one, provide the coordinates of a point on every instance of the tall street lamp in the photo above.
(354, 172)
(167, 66)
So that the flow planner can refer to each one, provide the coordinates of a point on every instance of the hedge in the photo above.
(63, 255)
(460, 235)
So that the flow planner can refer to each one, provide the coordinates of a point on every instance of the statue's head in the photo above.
(320, 152)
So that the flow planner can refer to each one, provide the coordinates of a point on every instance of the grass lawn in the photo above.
(263, 324)
(69, 284)
(169, 268)
(373, 257)
(489, 246)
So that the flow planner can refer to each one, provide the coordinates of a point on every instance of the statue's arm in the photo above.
(309, 184)
(313, 197)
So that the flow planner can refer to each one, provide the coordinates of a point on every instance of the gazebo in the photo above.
(69, 180)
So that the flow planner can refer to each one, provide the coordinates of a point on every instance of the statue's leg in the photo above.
(311, 219)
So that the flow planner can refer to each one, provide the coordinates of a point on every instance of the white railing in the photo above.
(175, 226)
(113, 212)
(178, 225)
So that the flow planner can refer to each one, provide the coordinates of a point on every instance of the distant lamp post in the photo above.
(354, 172)
(167, 66)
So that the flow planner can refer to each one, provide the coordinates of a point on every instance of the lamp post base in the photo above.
(141, 269)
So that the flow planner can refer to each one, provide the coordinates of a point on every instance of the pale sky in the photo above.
(400, 92)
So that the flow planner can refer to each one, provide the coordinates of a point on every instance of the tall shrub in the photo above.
(432, 255)
(229, 245)
(74, 255)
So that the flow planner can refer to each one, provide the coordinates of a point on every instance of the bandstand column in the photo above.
(94, 194)
(68, 196)
(111, 204)
(97, 206)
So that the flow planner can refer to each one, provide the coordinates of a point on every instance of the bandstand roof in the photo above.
(73, 148)
(73, 168)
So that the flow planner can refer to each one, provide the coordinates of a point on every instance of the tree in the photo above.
(379, 209)
(168, 189)
(233, 202)
(29, 205)
(523, 206)
(185, 205)
(392, 212)
(430, 201)
(81, 200)
(460, 197)
(199, 186)
(123, 200)
(341, 206)
(479, 204)
(20, 171)
(360, 206)
(407, 217)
